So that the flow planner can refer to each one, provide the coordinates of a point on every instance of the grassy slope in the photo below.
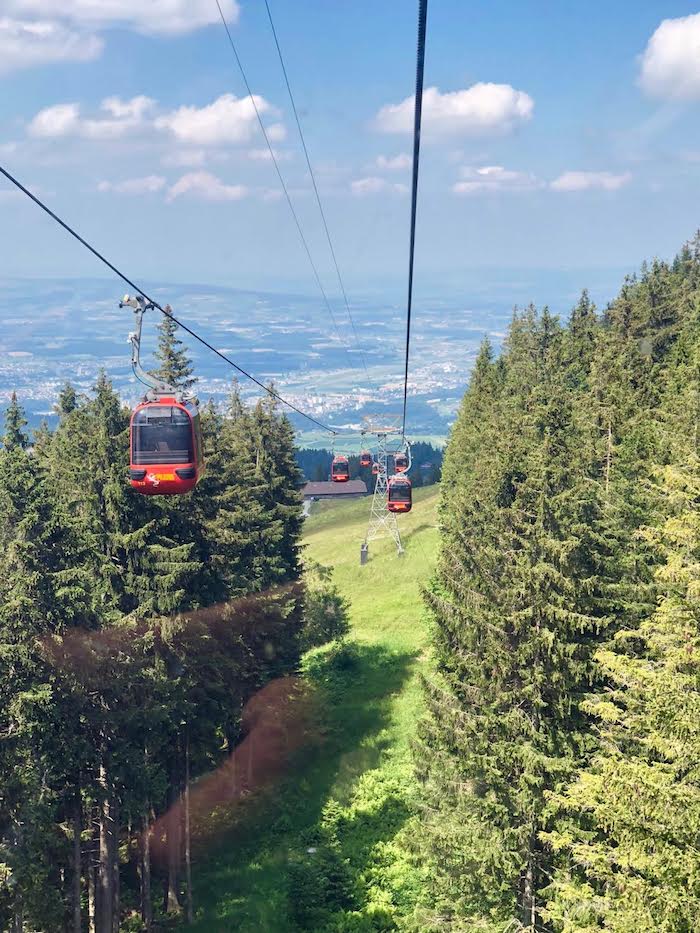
(368, 711)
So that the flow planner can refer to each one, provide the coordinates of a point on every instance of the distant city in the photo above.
(68, 330)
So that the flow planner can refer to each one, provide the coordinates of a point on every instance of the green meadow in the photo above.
(321, 849)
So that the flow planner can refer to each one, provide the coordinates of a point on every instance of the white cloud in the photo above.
(478, 110)
(276, 132)
(185, 158)
(60, 120)
(228, 119)
(374, 185)
(263, 155)
(150, 16)
(394, 163)
(150, 184)
(66, 120)
(585, 181)
(492, 178)
(671, 60)
(27, 44)
(272, 194)
(206, 187)
(133, 109)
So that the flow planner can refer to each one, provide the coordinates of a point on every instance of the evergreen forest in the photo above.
(142, 641)
(531, 671)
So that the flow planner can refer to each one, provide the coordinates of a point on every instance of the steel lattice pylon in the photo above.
(382, 522)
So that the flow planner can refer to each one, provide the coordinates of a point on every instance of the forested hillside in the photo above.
(559, 756)
(160, 660)
(553, 785)
(133, 632)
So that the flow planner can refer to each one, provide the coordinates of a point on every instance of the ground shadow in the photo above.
(424, 526)
(240, 882)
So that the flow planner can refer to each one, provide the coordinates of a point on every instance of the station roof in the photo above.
(353, 487)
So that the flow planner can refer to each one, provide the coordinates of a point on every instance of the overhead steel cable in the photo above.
(417, 119)
(273, 157)
(155, 304)
(315, 187)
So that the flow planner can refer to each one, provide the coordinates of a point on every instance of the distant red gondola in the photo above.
(375, 469)
(400, 463)
(340, 469)
(365, 459)
(399, 498)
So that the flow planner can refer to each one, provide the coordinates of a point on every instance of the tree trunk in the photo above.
(173, 841)
(105, 888)
(188, 840)
(91, 869)
(528, 914)
(608, 459)
(145, 871)
(77, 863)
(114, 857)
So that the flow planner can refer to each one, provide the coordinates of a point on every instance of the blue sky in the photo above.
(557, 136)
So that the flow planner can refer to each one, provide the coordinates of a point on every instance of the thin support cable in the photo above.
(273, 157)
(315, 187)
(155, 304)
(420, 65)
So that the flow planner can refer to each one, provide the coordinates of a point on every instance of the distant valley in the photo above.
(53, 331)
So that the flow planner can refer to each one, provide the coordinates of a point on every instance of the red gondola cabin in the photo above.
(375, 469)
(400, 463)
(340, 470)
(400, 498)
(365, 459)
(166, 447)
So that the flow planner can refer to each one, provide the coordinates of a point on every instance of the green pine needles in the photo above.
(558, 756)
(133, 631)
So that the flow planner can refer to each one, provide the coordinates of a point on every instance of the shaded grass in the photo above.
(368, 701)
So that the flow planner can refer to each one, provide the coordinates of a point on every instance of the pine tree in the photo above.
(635, 861)
(15, 423)
(580, 340)
(143, 554)
(175, 367)
(67, 400)
(45, 589)
(519, 604)
(473, 417)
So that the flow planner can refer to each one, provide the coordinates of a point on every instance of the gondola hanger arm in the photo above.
(140, 305)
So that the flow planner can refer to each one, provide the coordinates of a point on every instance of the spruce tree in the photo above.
(634, 812)
(14, 436)
(580, 340)
(519, 604)
(175, 367)
(67, 400)
(45, 590)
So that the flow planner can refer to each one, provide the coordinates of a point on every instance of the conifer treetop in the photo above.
(15, 437)
(175, 367)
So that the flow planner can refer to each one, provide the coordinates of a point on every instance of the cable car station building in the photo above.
(351, 489)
